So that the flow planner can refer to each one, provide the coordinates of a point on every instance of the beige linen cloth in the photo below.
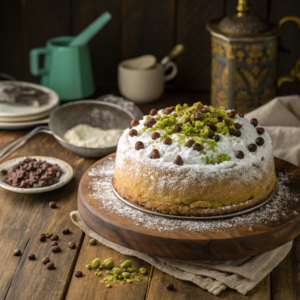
(281, 118)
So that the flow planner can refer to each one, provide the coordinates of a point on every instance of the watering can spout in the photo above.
(89, 32)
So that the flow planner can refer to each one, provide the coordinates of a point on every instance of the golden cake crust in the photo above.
(202, 194)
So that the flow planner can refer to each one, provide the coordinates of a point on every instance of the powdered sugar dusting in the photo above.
(274, 211)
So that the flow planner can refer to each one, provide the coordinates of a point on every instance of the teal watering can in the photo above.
(67, 64)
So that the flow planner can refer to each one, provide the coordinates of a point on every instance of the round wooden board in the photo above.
(230, 243)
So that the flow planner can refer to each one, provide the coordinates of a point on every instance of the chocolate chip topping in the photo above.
(205, 110)
(54, 237)
(153, 112)
(66, 231)
(167, 141)
(17, 252)
(55, 249)
(187, 120)
(252, 147)
(168, 110)
(216, 137)
(239, 154)
(197, 147)
(45, 260)
(155, 154)
(132, 132)
(197, 116)
(139, 145)
(241, 114)
(135, 122)
(52, 205)
(151, 122)
(155, 135)
(238, 133)
(190, 143)
(71, 245)
(78, 273)
(178, 160)
(50, 265)
(233, 131)
(30, 173)
(42, 237)
(31, 256)
(237, 125)
(220, 118)
(259, 141)
(232, 114)
(254, 122)
(210, 134)
(178, 127)
(211, 125)
(260, 130)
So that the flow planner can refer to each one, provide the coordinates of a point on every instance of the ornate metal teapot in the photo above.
(244, 59)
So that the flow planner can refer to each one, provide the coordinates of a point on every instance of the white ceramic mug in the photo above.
(142, 86)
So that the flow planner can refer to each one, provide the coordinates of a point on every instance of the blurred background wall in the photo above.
(138, 27)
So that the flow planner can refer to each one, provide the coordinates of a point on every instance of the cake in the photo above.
(196, 160)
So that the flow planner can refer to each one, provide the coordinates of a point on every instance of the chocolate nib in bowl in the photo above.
(30, 173)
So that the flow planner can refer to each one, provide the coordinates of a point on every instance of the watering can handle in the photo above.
(34, 61)
(295, 72)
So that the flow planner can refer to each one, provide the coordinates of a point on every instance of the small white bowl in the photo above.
(66, 176)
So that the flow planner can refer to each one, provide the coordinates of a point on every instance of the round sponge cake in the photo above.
(195, 160)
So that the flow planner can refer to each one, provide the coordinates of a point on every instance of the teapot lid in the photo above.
(242, 24)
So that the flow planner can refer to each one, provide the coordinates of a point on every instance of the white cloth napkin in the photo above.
(281, 118)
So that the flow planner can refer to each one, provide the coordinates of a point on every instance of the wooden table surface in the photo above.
(24, 217)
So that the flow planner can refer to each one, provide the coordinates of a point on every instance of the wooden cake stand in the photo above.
(229, 243)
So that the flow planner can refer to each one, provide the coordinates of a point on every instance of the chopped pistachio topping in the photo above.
(198, 129)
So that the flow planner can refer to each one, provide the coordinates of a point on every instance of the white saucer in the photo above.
(22, 125)
(66, 176)
(16, 111)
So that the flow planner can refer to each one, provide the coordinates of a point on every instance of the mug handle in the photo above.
(34, 61)
(168, 65)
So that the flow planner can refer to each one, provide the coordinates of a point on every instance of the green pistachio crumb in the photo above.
(88, 267)
(126, 264)
(108, 263)
(223, 157)
(93, 242)
(95, 263)
(143, 271)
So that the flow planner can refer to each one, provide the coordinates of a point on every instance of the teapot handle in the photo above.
(295, 72)
(34, 61)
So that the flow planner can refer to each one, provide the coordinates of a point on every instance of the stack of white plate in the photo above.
(23, 116)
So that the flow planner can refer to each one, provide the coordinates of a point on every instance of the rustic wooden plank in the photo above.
(289, 42)
(195, 63)
(29, 215)
(188, 290)
(285, 279)
(89, 286)
(11, 31)
(257, 7)
(106, 46)
(43, 20)
(148, 27)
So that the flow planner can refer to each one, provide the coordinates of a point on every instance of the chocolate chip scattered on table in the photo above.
(32, 173)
